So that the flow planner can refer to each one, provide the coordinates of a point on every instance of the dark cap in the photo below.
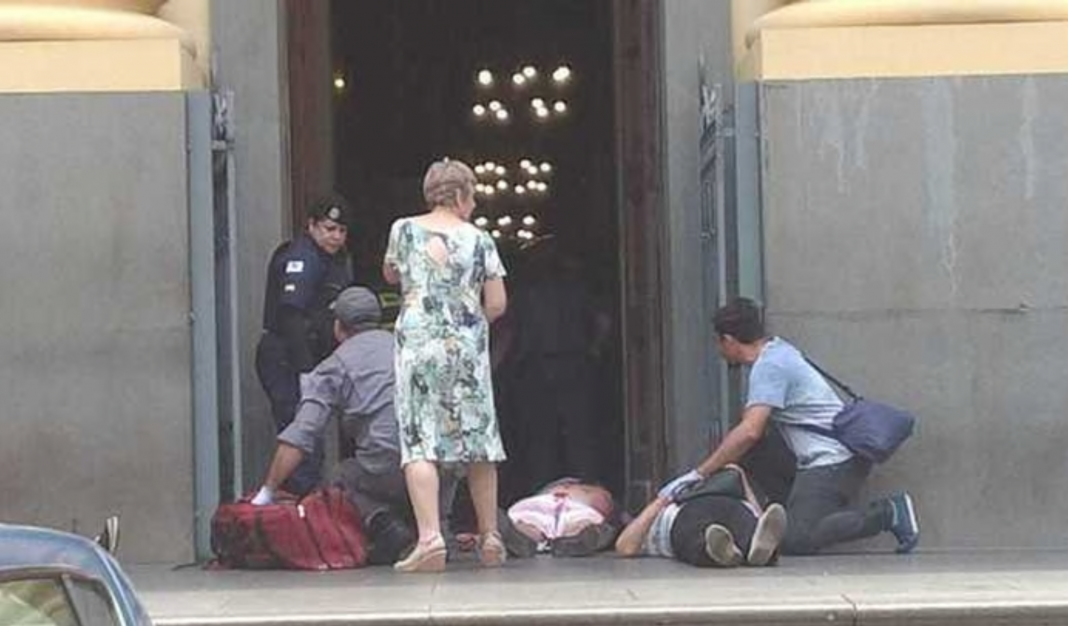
(331, 208)
(357, 308)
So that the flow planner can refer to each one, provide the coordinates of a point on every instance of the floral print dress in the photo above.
(444, 391)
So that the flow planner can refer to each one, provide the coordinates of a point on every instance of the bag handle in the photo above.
(844, 387)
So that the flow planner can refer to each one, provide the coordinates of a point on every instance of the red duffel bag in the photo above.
(320, 531)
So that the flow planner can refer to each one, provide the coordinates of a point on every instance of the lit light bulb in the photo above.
(542, 187)
(478, 110)
(529, 220)
(481, 221)
(504, 221)
(339, 83)
(489, 190)
(519, 79)
(560, 106)
(525, 164)
(520, 190)
(495, 105)
(562, 74)
(502, 185)
(545, 167)
(542, 113)
(532, 185)
(500, 171)
(524, 234)
(496, 234)
(490, 166)
(502, 114)
(485, 78)
(538, 103)
(530, 72)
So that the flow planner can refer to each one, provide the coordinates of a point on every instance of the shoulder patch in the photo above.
(294, 267)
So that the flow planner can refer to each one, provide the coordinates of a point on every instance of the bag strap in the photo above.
(844, 387)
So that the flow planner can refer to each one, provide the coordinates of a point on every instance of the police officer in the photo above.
(303, 278)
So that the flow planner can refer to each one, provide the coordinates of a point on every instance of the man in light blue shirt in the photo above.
(785, 389)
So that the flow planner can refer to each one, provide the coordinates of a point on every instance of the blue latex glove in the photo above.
(679, 484)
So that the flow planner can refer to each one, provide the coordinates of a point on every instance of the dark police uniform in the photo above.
(302, 282)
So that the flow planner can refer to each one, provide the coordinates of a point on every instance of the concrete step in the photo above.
(1005, 588)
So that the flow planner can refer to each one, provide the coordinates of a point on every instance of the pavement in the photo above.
(996, 587)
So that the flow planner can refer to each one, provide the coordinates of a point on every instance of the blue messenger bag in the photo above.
(872, 430)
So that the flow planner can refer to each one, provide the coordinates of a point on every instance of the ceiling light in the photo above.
(530, 72)
(520, 190)
(532, 184)
(542, 113)
(495, 105)
(562, 74)
(478, 110)
(525, 164)
(538, 103)
(500, 171)
(529, 220)
(496, 234)
(519, 79)
(480, 169)
(504, 221)
(502, 114)
(339, 83)
(560, 106)
(502, 185)
(481, 221)
(489, 165)
(545, 167)
(485, 78)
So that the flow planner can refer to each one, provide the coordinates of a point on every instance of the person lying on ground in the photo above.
(567, 517)
(718, 522)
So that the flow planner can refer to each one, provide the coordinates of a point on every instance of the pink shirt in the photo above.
(554, 514)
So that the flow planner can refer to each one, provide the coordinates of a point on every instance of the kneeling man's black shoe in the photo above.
(390, 538)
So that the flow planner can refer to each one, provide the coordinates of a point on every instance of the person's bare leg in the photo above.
(429, 553)
(482, 481)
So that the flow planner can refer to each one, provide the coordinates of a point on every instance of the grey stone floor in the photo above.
(1010, 587)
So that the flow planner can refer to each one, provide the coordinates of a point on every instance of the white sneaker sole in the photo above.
(720, 546)
(770, 529)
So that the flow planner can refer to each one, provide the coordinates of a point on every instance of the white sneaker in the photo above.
(770, 529)
(720, 546)
(109, 539)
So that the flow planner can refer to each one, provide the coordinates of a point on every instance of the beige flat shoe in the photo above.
(491, 550)
(424, 558)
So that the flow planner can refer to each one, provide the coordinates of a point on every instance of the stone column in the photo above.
(95, 45)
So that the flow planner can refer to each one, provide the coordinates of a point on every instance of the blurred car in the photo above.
(53, 578)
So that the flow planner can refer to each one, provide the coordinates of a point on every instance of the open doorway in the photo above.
(407, 86)
(522, 92)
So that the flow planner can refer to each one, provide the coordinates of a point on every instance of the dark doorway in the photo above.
(409, 92)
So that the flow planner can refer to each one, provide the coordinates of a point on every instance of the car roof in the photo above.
(36, 547)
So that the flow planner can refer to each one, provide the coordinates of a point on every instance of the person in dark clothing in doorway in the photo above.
(303, 278)
(559, 331)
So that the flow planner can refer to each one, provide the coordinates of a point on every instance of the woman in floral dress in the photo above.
(452, 285)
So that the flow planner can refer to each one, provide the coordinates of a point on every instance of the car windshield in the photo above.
(54, 601)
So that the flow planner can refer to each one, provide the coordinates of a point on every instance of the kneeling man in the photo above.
(356, 381)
